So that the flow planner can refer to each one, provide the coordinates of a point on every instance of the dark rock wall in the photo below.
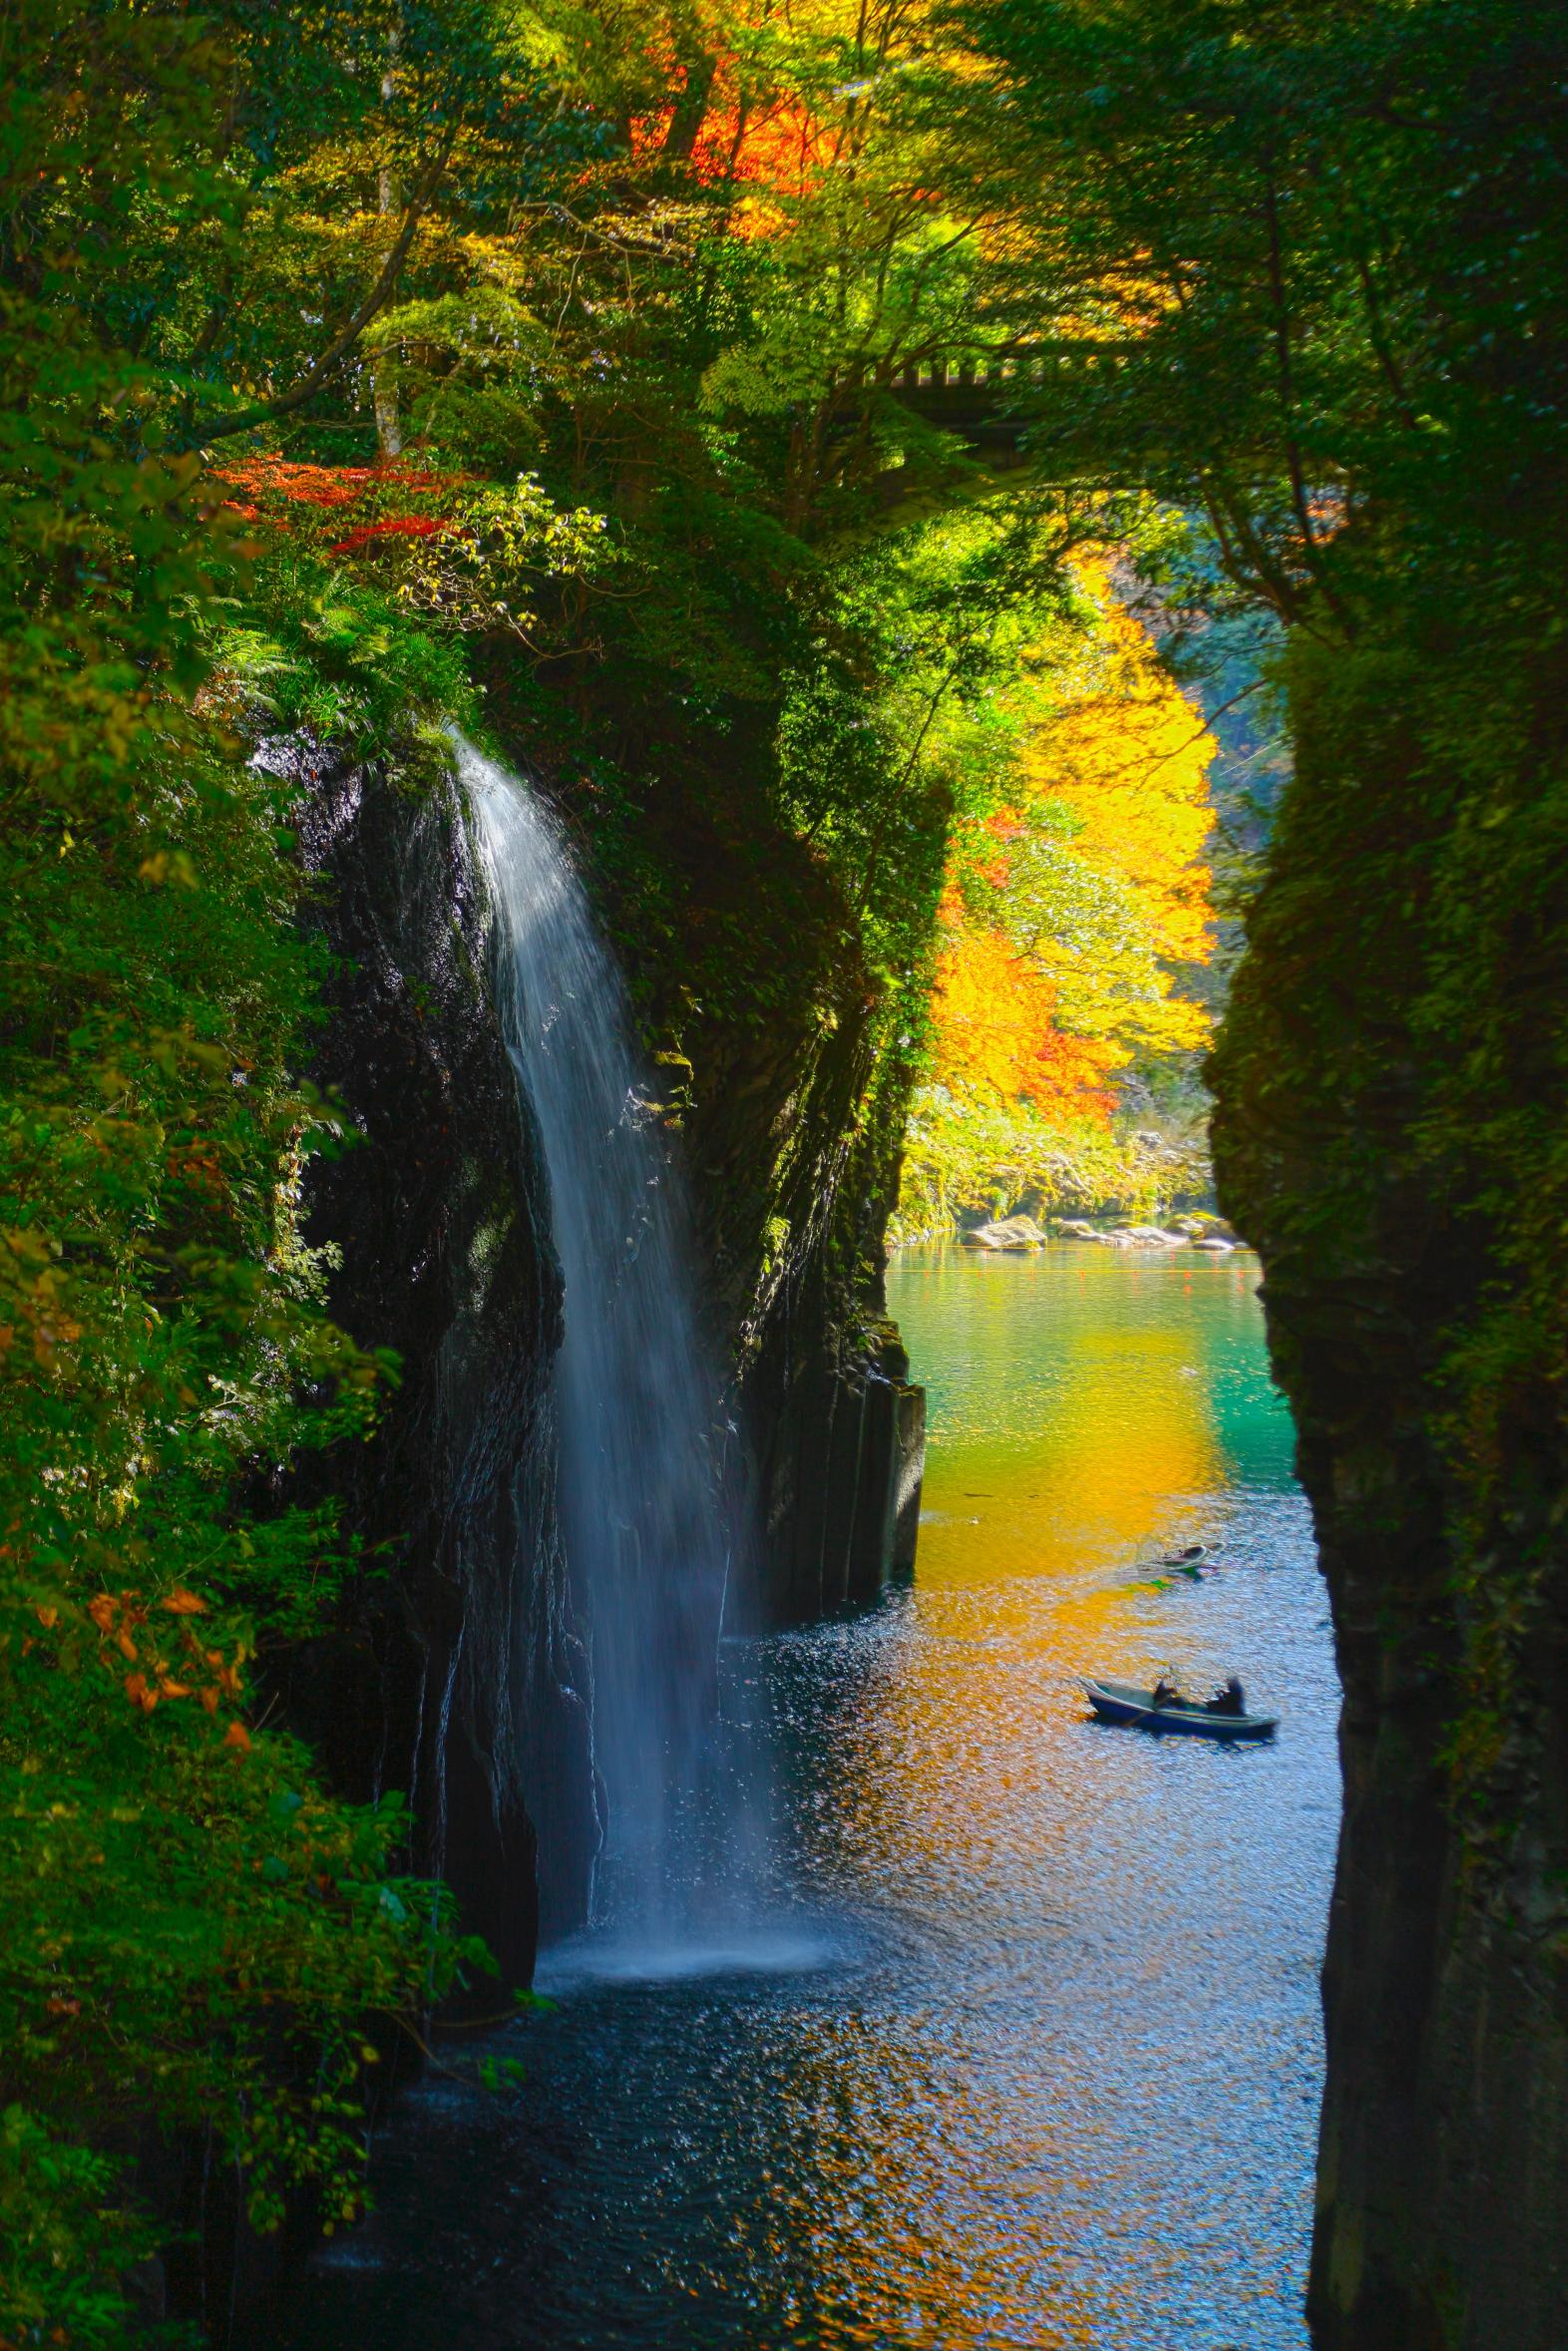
(794, 1152)
(838, 1428)
(842, 1469)
(456, 1673)
(1391, 1087)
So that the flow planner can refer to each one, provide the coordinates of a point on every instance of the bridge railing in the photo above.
(993, 372)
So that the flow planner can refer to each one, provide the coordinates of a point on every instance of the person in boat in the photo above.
(1165, 1693)
(1230, 1698)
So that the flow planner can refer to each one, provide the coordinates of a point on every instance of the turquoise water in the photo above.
(1029, 2055)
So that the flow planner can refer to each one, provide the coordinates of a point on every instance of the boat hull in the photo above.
(1118, 1702)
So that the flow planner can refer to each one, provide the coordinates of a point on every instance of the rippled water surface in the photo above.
(1029, 2055)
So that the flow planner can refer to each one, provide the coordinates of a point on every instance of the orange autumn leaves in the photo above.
(128, 1623)
(996, 1023)
(1067, 911)
(755, 139)
(267, 486)
(767, 98)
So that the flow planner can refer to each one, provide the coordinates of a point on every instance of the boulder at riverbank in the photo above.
(1013, 1232)
(1206, 1233)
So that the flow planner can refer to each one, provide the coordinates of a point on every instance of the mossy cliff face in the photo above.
(793, 1149)
(1392, 1134)
(457, 1672)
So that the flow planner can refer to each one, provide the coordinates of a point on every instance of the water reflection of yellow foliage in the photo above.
(1127, 1434)
(936, 2218)
(898, 2254)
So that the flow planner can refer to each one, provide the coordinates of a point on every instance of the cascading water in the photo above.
(648, 1541)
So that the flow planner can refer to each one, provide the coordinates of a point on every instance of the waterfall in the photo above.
(647, 1544)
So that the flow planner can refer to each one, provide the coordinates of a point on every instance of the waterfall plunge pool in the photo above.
(1038, 2062)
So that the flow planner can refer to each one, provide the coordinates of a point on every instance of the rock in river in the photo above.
(1014, 1232)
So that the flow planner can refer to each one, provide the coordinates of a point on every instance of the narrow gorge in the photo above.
(785, 880)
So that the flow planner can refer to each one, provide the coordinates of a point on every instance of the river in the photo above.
(1034, 2056)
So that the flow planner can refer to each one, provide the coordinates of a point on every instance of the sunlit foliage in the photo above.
(1073, 908)
(198, 1941)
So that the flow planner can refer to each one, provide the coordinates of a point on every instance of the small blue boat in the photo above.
(1119, 1702)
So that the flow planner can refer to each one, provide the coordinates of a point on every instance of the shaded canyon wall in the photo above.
(459, 1673)
(1393, 1087)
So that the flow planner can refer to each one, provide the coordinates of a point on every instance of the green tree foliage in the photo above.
(196, 1937)
(1315, 254)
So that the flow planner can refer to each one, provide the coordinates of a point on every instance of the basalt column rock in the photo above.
(794, 1154)
(842, 1470)
(1391, 1091)
(456, 1673)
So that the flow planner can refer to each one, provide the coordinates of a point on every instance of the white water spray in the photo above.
(647, 1537)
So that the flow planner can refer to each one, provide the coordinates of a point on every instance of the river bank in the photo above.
(1019, 1234)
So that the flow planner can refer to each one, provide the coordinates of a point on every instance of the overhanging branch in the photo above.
(325, 364)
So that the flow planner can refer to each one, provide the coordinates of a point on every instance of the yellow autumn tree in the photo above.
(1069, 918)
(1128, 756)
(998, 1026)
